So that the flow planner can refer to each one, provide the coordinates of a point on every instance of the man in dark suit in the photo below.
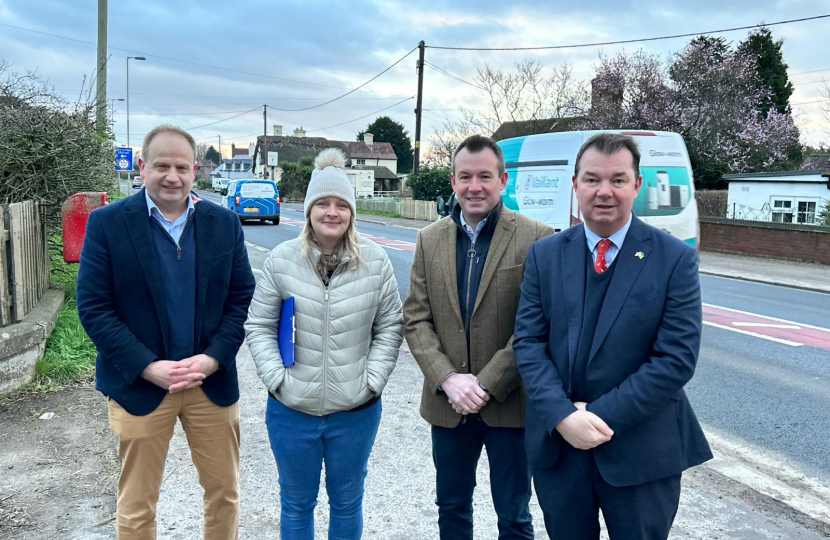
(607, 334)
(163, 290)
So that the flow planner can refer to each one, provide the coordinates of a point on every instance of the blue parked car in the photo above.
(253, 199)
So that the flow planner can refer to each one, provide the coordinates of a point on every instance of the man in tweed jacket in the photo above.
(459, 313)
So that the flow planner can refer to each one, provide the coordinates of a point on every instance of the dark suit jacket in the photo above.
(121, 300)
(434, 329)
(644, 351)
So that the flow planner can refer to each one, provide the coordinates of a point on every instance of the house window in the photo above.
(782, 210)
(806, 212)
(361, 162)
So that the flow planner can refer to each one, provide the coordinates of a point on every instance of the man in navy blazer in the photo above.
(163, 290)
(607, 334)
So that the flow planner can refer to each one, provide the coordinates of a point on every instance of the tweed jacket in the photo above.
(434, 329)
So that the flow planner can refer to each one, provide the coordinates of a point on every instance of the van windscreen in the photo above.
(255, 190)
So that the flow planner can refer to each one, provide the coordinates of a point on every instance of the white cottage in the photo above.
(784, 197)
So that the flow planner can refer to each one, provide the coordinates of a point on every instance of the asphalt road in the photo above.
(766, 395)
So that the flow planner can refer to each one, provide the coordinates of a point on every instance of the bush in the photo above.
(49, 148)
(430, 183)
(712, 202)
(824, 216)
(295, 178)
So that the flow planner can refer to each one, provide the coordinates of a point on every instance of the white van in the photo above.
(218, 183)
(540, 168)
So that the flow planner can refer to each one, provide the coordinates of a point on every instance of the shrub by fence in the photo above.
(712, 203)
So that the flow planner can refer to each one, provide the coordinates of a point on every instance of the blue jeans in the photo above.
(301, 443)
(455, 452)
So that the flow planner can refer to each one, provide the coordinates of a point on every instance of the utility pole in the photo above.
(416, 154)
(263, 157)
(101, 72)
(220, 147)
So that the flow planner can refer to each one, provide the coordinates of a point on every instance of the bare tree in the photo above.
(528, 93)
(825, 104)
(201, 151)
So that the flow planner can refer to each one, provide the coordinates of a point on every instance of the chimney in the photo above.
(369, 139)
(277, 130)
(299, 132)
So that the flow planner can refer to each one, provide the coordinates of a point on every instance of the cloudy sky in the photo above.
(208, 61)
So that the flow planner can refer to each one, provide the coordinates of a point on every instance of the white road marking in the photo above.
(768, 317)
(754, 334)
(766, 325)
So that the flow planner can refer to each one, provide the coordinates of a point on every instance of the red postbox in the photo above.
(74, 214)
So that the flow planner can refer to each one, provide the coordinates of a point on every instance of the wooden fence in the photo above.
(24, 261)
(424, 210)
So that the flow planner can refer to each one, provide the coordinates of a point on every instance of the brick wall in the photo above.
(800, 242)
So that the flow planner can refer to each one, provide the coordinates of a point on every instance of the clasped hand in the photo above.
(465, 394)
(583, 429)
(186, 373)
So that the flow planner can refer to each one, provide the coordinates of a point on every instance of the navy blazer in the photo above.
(121, 305)
(644, 351)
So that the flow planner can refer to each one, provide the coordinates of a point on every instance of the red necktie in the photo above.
(599, 264)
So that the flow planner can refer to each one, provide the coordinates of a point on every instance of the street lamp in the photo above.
(128, 94)
(112, 110)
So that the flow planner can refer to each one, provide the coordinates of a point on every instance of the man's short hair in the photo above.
(475, 144)
(610, 143)
(167, 128)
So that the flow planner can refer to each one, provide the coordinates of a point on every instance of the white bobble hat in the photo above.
(328, 179)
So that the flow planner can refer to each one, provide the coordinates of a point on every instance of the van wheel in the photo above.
(275, 221)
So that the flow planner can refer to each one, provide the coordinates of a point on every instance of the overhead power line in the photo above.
(450, 75)
(223, 120)
(171, 59)
(806, 72)
(622, 42)
(362, 117)
(180, 114)
(350, 91)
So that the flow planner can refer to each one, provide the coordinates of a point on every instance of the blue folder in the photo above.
(287, 332)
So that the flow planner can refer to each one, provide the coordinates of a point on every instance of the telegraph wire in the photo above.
(362, 117)
(452, 76)
(169, 58)
(223, 120)
(402, 58)
(626, 41)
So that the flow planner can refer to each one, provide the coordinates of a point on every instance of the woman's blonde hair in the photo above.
(350, 243)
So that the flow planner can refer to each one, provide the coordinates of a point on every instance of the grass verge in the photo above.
(70, 354)
(378, 213)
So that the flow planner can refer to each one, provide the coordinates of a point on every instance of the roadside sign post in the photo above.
(123, 162)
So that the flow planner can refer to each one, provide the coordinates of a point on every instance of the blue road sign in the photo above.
(123, 159)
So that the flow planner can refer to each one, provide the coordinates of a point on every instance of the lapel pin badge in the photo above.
(639, 255)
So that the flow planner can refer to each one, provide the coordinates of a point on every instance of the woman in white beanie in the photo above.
(326, 407)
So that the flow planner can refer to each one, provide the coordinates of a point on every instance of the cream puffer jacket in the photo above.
(347, 335)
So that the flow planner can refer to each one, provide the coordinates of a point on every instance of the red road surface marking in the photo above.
(292, 222)
(392, 244)
(780, 330)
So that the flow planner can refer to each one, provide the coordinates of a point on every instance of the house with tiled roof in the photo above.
(371, 166)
